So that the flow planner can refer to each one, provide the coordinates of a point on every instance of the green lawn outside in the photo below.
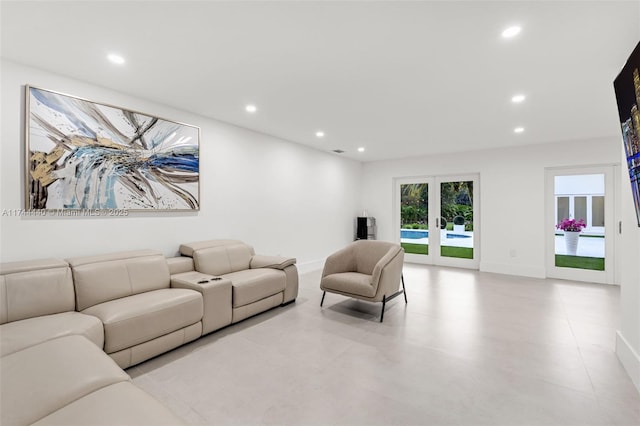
(580, 262)
(415, 248)
(460, 252)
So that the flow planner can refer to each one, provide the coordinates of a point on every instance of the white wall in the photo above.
(628, 338)
(511, 195)
(281, 197)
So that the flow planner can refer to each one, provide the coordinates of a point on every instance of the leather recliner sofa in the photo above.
(53, 370)
(131, 294)
(67, 328)
(257, 282)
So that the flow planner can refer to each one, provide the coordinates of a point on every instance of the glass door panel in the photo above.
(581, 197)
(581, 207)
(425, 209)
(581, 194)
(456, 219)
(563, 206)
(597, 211)
(414, 218)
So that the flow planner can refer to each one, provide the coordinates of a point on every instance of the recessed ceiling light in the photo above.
(251, 108)
(518, 129)
(516, 99)
(320, 134)
(361, 149)
(115, 58)
(511, 31)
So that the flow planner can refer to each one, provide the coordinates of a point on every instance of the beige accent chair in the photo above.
(366, 269)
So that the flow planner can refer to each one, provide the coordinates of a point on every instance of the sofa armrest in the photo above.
(216, 297)
(273, 262)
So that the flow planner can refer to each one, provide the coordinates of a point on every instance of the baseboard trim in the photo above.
(511, 269)
(629, 358)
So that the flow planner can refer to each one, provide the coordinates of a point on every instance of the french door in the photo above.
(437, 219)
(585, 194)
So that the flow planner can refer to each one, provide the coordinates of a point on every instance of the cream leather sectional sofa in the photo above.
(69, 327)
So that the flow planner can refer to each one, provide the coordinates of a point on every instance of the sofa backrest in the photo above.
(219, 257)
(34, 288)
(106, 277)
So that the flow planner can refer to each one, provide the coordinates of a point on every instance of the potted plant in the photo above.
(458, 224)
(572, 229)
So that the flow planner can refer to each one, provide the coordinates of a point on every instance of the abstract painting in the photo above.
(627, 88)
(87, 155)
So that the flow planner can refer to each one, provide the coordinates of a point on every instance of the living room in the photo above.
(296, 197)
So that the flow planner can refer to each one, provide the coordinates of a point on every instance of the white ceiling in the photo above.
(399, 78)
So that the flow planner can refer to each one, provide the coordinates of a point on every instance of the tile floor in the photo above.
(470, 348)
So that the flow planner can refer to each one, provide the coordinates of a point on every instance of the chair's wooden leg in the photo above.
(404, 290)
(322, 301)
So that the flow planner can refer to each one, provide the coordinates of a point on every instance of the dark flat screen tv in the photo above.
(627, 88)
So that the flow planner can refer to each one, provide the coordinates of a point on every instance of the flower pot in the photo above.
(571, 241)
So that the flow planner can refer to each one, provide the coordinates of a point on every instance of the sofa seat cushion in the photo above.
(350, 283)
(39, 380)
(18, 335)
(118, 404)
(252, 285)
(141, 317)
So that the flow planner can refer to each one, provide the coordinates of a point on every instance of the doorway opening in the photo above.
(580, 223)
(580, 201)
